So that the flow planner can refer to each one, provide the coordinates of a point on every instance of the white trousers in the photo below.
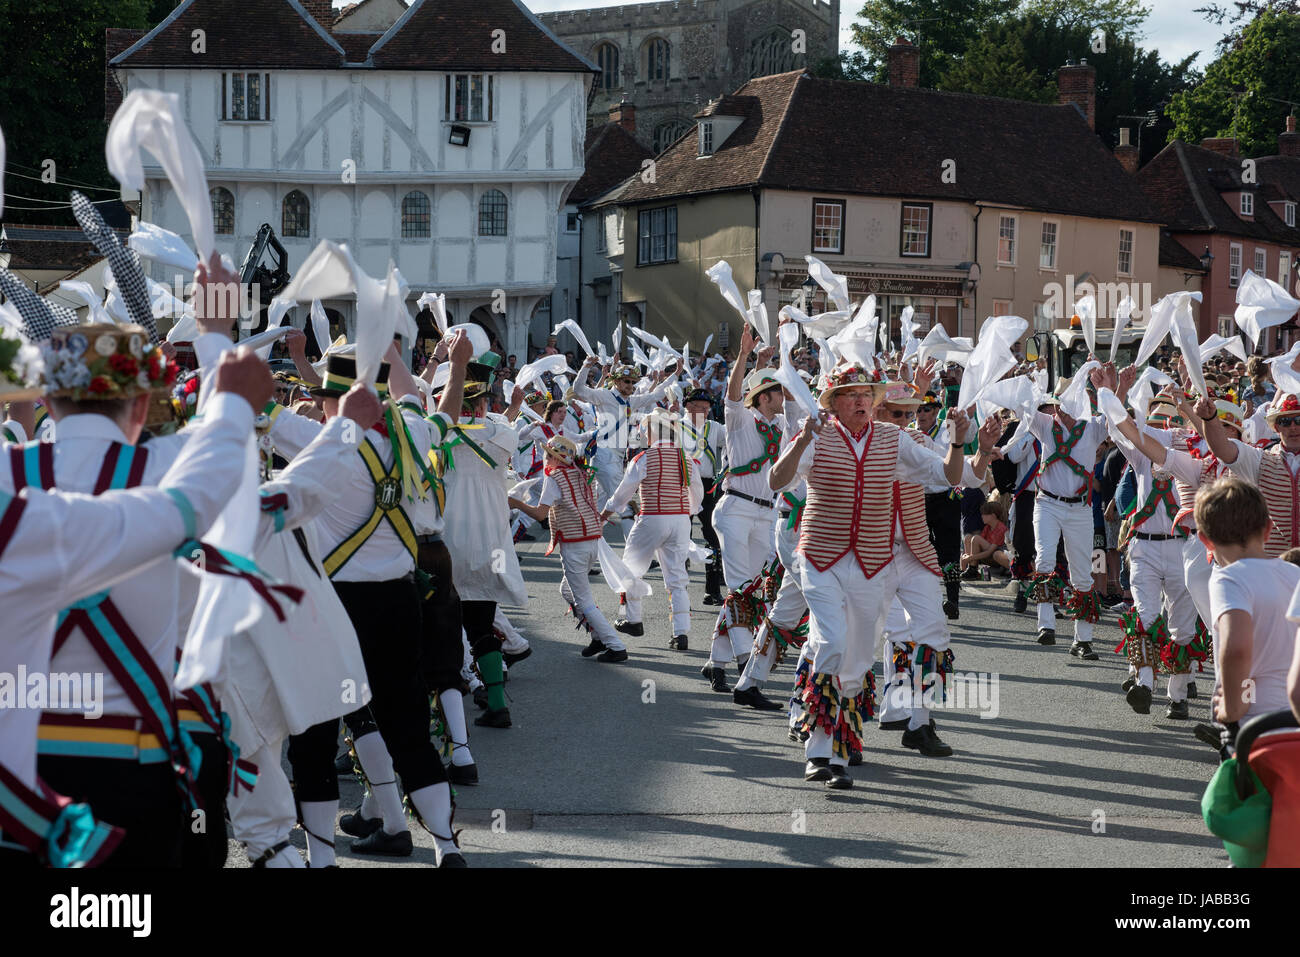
(263, 817)
(512, 641)
(668, 539)
(895, 702)
(1196, 575)
(915, 615)
(578, 558)
(745, 533)
(1159, 582)
(1054, 521)
(784, 613)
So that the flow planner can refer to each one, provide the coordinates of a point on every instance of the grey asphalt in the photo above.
(599, 771)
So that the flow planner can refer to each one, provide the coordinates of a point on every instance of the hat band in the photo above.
(339, 383)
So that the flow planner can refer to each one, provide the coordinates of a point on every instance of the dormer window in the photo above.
(1288, 214)
(706, 138)
(1248, 204)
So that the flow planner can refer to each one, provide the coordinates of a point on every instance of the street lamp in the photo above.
(809, 287)
(1207, 258)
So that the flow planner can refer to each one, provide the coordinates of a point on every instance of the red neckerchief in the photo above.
(857, 436)
(381, 427)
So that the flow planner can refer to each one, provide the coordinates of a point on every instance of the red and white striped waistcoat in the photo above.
(851, 500)
(1210, 469)
(574, 518)
(1282, 493)
(665, 490)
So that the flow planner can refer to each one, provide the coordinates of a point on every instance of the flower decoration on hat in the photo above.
(624, 372)
(185, 395)
(101, 361)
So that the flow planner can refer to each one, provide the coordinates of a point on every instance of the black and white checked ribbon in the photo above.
(125, 263)
(40, 316)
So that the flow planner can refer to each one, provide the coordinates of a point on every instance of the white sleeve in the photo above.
(804, 466)
(919, 465)
(1229, 594)
(1183, 466)
(697, 488)
(291, 432)
(1247, 464)
(632, 479)
(1040, 425)
(311, 480)
(550, 492)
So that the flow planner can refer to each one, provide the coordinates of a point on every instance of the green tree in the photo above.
(1248, 91)
(52, 96)
(942, 29)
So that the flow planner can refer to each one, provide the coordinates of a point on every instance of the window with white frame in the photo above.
(1227, 326)
(570, 222)
(656, 235)
(1125, 264)
(1234, 264)
(1288, 213)
(706, 138)
(1261, 262)
(246, 96)
(828, 226)
(468, 98)
(1007, 240)
(1047, 246)
(1283, 270)
(915, 239)
(1248, 204)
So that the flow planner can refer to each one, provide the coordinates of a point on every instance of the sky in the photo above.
(1172, 28)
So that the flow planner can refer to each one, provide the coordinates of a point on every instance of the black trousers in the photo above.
(1023, 549)
(143, 799)
(207, 848)
(477, 617)
(943, 516)
(311, 756)
(441, 652)
(386, 616)
(709, 503)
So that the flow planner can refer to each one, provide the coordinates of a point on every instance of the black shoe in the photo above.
(354, 825)
(817, 769)
(678, 643)
(1046, 636)
(593, 573)
(753, 698)
(595, 648)
(343, 763)
(384, 844)
(1139, 698)
(633, 628)
(612, 656)
(898, 724)
(855, 758)
(510, 659)
(1021, 604)
(494, 719)
(925, 740)
(462, 773)
(713, 599)
(797, 736)
(1111, 599)
(453, 860)
(971, 574)
(839, 780)
(717, 678)
(481, 696)
(1177, 710)
(1129, 682)
(1191, 690)
(1083, 649)
(950, 609)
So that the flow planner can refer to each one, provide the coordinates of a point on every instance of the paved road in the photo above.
(593, 774)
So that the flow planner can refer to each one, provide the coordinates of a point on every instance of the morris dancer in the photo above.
(705, 441)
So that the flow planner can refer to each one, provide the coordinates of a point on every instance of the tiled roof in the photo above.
(1184, 183)
(1175, 254)
(237, 33)
(115, 41)
(459, 34)
(1281, 174)
(611, 154)
(802, 133)
(726, 106)
(280, 34)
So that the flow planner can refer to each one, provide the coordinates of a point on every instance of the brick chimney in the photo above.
(1223, 145)
(1077, 83)
(1126, 152)
(904, 64)
(624, 114)
(322, 10)
(1288, 143)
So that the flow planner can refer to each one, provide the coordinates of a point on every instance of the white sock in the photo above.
(1146, 678)
(383, 780)
(453, 712)
(1178, 687)
(1046, 616)
(434, 804)
(919, 718)
(287, 857)
(318, 819)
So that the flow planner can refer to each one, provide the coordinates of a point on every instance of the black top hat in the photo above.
(698, 395)
(341, 375)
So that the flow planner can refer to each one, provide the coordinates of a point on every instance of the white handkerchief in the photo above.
(617, 575)
(837, 287)
(992, 357)
(1217, 343)
(1262, 303)
(163, 247)
(1086, 310)
(578, 335)
(436, 303)
(1108, 402)
(151, 120)
(1183, 332)
(1140, 394)
(720, 273)
(1284, 377)
(942, 347)
(546, 365)
(1123, 312)
(1074, 400)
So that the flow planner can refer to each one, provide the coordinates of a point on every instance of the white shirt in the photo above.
(613, 412)
(1248, 459)
(717, 441)
(383, 556)
(635, 475)
(744, 444)
(68, 546)
(1263, 588)
(1057, 479)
